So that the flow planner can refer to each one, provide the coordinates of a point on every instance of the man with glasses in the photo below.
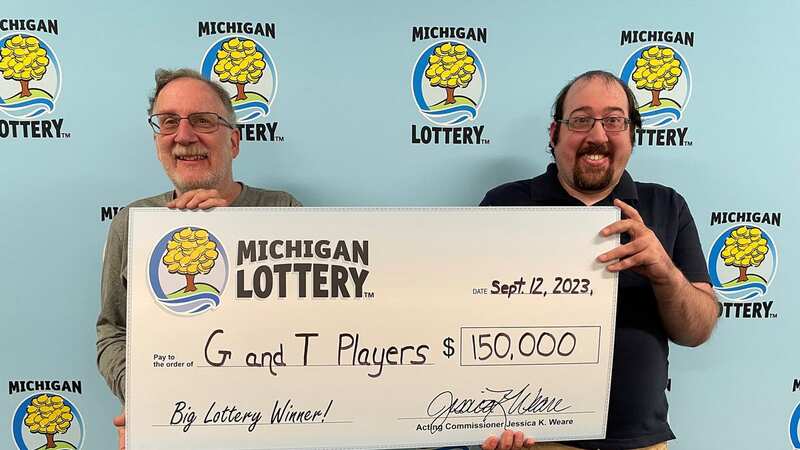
(664, 290)
(196, 141)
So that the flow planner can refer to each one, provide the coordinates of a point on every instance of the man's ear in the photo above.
(235, 139)
(553, 133)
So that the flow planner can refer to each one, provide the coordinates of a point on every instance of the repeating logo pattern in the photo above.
(246, 68)
(31, 76)
(660, 78)
(742, 262)
(448, 83)
(47, 421)
(181, 271)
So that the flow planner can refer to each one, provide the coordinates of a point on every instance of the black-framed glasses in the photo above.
(201, 122)
(585, 123)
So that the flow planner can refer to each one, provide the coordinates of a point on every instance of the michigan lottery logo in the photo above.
(188, 270)
(47, 421)
(31, 76)
(659, 75)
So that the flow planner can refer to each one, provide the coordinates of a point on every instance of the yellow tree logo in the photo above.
(239, 62)
(657, 70)
(744, 248)
(22, 59)
(190, 253)
(49, 415)
(450, 67)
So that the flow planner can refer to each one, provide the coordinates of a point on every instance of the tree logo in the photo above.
(246, 69)
(188, 270)
(742, 262)
(47, 421)
(31, 76)
(659, 78)
(448, 83)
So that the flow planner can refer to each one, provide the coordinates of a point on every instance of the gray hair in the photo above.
(165, 76)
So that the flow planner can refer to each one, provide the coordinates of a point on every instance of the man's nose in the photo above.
(597, 134)
(185, 133)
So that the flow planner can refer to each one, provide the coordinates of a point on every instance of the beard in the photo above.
(590, 178)
(209, 180)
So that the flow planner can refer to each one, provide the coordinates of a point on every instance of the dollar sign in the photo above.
(448, 347)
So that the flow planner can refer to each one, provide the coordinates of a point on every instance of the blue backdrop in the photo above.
(335, 119)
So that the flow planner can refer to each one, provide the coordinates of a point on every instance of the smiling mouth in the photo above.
(192, 158)
(595, 157)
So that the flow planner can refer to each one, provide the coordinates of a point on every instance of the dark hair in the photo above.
(164, 77)
(633, 106)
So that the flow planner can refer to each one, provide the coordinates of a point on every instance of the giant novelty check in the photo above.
(277, 328)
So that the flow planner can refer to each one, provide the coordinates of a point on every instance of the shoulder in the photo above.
(508, 194)
(119, 225)
(663, 206)
(252, 196)
(660, 197)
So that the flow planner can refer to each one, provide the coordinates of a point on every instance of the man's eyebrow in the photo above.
(613, 109)
(606, 110)
(585, 109)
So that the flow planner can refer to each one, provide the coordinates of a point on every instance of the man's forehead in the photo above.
(188, 93)
(597, 95)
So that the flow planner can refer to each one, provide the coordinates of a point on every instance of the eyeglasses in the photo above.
(581, 123)
(201, 122)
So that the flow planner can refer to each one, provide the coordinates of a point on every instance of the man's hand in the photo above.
(688, 310)
(119, 422)
(644, 254)
(198, 199)
(509, 440)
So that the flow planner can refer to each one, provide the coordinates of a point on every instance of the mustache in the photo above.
(593, 149)
(192, 150)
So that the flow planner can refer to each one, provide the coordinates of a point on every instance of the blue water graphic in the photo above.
(744, 291)
(251, 110)
(660, 117)
(452, 115)
(29, 108)
(191, 304)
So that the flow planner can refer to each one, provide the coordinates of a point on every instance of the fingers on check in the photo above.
(508, 440)
(198, 198)
(628, 210)
(528, 443)
(519, 440)
(212, 203)
(623, 251)
(625, 264)
(511, 440)
(630, 226)
(490, 443)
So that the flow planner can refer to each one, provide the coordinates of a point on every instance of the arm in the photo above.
(113, 303)
(688, 310)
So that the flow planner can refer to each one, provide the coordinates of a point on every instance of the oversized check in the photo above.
(274, 328)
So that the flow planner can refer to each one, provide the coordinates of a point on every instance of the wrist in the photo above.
(671, 283)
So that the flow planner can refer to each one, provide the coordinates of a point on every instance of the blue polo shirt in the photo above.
(637, 410)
